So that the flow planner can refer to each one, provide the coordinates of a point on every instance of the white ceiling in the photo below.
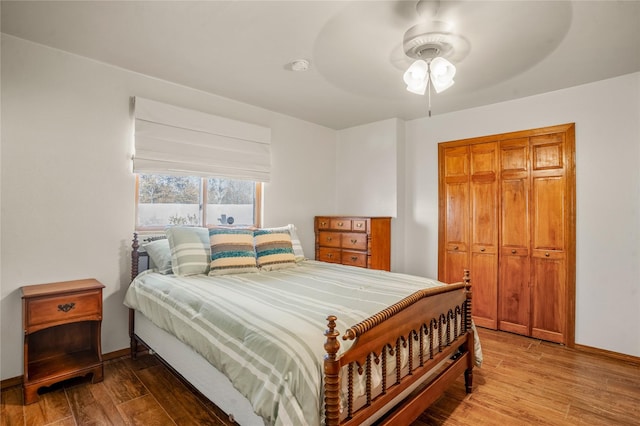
(241, 49)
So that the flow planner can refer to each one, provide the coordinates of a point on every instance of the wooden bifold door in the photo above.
(507, 212)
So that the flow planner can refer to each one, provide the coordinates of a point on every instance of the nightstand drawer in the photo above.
(48, 311)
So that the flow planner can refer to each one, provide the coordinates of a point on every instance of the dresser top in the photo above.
(60, 287)
(356, 216)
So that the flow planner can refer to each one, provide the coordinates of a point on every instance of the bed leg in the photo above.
(471, 360)
(133, 344)
(468, 380)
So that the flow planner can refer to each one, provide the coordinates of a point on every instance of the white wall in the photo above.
(67, 190)
(607, 117)
(370, 177)
(366, 173)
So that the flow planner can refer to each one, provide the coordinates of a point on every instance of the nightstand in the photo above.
(62, 323)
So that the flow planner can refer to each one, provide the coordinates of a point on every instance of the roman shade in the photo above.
(171, 140)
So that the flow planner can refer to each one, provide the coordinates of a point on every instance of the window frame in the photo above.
(257, 206)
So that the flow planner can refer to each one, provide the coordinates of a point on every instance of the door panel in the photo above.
(483, 193)
(548, 237)
(484, 285)
(454, 213)
(548, 302)
(457, 213)
(548, 213)
(514, 291)
(457, 262)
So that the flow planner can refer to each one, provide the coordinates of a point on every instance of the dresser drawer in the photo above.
(354, 241)
(63, 309)
(329, 239)
(323, 222)
(329, 255)
(359, 225)
(354, 258)
(341, 224)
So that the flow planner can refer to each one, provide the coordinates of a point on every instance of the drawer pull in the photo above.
(66, 307)
(354, 241)
(455, 247)
(354, 258)
(323, 223)
(482, 249)
(513, 251)
(330, 255)
(340, 224)
(359, 225)
(547, 254)
(328, 238)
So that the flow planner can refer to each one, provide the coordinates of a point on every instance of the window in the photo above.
(163, 200)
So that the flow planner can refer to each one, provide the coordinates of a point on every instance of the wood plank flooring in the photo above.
(522, 382)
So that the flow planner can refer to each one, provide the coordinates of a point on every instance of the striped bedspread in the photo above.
(265, 330)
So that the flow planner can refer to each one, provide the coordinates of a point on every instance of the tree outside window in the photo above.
(164, 200)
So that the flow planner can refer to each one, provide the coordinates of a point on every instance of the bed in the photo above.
(306, 342)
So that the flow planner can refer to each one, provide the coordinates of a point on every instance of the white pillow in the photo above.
(160, 254)
(295, 241)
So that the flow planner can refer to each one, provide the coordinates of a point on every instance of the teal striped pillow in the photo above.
(295, 240)
(232, 251)
(274, 249)
(190, 250)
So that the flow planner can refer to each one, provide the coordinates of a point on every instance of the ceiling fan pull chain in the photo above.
(429, 95)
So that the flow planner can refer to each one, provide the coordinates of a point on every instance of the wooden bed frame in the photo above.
(410, 325)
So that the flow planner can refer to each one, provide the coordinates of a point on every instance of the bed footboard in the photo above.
(431, 329)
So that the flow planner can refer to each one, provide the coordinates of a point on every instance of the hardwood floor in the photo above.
(522, 381)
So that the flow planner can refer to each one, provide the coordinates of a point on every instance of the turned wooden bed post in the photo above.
(331, 374)
(468, 373)
(135, 258)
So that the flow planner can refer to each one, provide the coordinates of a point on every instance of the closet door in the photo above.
(548, 237)
(454, 213)
(483, 191)
(507, 212)
(514, 292)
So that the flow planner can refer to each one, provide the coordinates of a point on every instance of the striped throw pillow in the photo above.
(232, 251)
(274, 249)
(190, 250)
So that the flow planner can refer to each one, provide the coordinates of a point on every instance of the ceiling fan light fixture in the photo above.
(430, 43)
(416, 77)
(442, 73)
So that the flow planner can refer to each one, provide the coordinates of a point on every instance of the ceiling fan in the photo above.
(430, 43)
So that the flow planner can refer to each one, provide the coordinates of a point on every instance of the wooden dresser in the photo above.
(61, 333)
(354, 240)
